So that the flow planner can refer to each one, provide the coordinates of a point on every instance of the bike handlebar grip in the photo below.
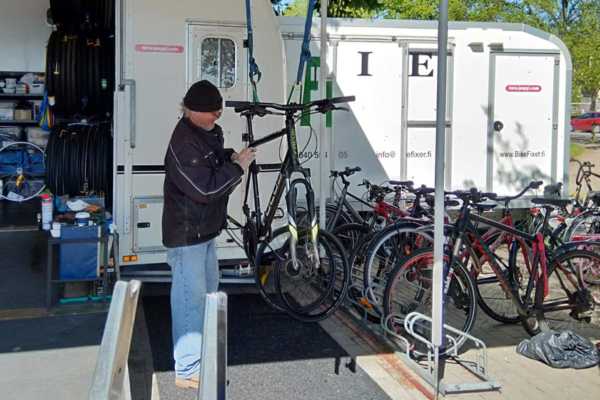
(343, 99)
(235, 103)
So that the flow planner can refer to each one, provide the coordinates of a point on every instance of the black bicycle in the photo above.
(299, 268)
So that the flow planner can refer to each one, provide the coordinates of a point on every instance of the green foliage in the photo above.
(352, 8)
(296, 9)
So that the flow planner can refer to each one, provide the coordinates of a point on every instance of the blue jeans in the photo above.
(195, 271)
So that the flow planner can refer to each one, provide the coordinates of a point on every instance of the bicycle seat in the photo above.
(482, 207)
(553, 190)
(595, 197)
(447, 202)
(548, 201)
(402, 183)
(504, 199)
(423, 190)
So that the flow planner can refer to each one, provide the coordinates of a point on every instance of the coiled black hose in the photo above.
(79, 160)
(92, 16)
(80, 74)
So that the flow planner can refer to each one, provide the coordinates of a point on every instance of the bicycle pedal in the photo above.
(365, 303)
(585, 316)
(263, 277)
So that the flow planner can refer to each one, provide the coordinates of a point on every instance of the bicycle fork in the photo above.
(313, 230)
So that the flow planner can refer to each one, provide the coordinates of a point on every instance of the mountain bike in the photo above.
(300, 268)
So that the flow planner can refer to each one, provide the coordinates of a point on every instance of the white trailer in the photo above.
(508, 102)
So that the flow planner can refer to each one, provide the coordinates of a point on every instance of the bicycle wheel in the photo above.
(409, 289)
(565, 303)
(385, 249)
(351, 235)
(513, 259)
(22, 171)
(309, 293)
(330, 210)
(354, 239)
(356, 294)
(584, 227)
(270, 256)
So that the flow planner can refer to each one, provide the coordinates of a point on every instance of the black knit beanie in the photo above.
(203, 96)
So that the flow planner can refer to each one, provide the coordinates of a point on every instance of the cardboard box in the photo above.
(23, 115)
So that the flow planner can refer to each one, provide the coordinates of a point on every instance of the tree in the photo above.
(583, 40)
(335, 8)
(296, 9)
(353, 8)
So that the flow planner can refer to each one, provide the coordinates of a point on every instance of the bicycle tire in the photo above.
(330, 290)
(356, 293)
(491, 297)
(269, 257)
(418, 268)
(351, 235)
(539, 320)
(330, 210)
(587, 223)
(375, 277)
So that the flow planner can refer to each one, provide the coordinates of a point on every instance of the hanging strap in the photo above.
(253, 70)
(305, 50)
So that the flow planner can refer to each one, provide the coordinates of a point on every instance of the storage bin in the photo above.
(79, 260)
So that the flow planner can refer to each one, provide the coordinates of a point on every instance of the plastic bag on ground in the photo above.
(564, 349)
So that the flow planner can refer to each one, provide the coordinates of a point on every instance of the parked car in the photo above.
(588, 122)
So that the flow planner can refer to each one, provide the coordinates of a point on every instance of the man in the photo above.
(200, 175)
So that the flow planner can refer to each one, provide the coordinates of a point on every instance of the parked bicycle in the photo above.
(552, 295)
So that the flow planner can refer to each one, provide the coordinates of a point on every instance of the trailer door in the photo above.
(522, 123)
(216, 53)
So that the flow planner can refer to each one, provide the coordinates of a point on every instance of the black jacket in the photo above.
(199, 177)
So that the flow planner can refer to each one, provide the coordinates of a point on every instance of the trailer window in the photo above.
(218, 61)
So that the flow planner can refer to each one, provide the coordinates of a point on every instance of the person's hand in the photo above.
(245, 157)
(234, 156)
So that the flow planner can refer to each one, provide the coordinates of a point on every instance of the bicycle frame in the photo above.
(342, 202)
(466, 232)
(287, 168)
(584, 173)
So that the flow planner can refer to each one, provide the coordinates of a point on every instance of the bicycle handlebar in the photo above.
(261, 109)
(421, 190)
(473, 195)
(555, 189)
(346, 172)
(507, 199)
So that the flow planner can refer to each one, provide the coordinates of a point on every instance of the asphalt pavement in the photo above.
(270, 356)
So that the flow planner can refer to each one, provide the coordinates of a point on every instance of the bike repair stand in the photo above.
(213, 372)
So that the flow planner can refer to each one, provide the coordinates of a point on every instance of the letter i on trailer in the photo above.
(507, 108)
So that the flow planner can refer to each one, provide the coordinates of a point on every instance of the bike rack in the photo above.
(477, 367)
